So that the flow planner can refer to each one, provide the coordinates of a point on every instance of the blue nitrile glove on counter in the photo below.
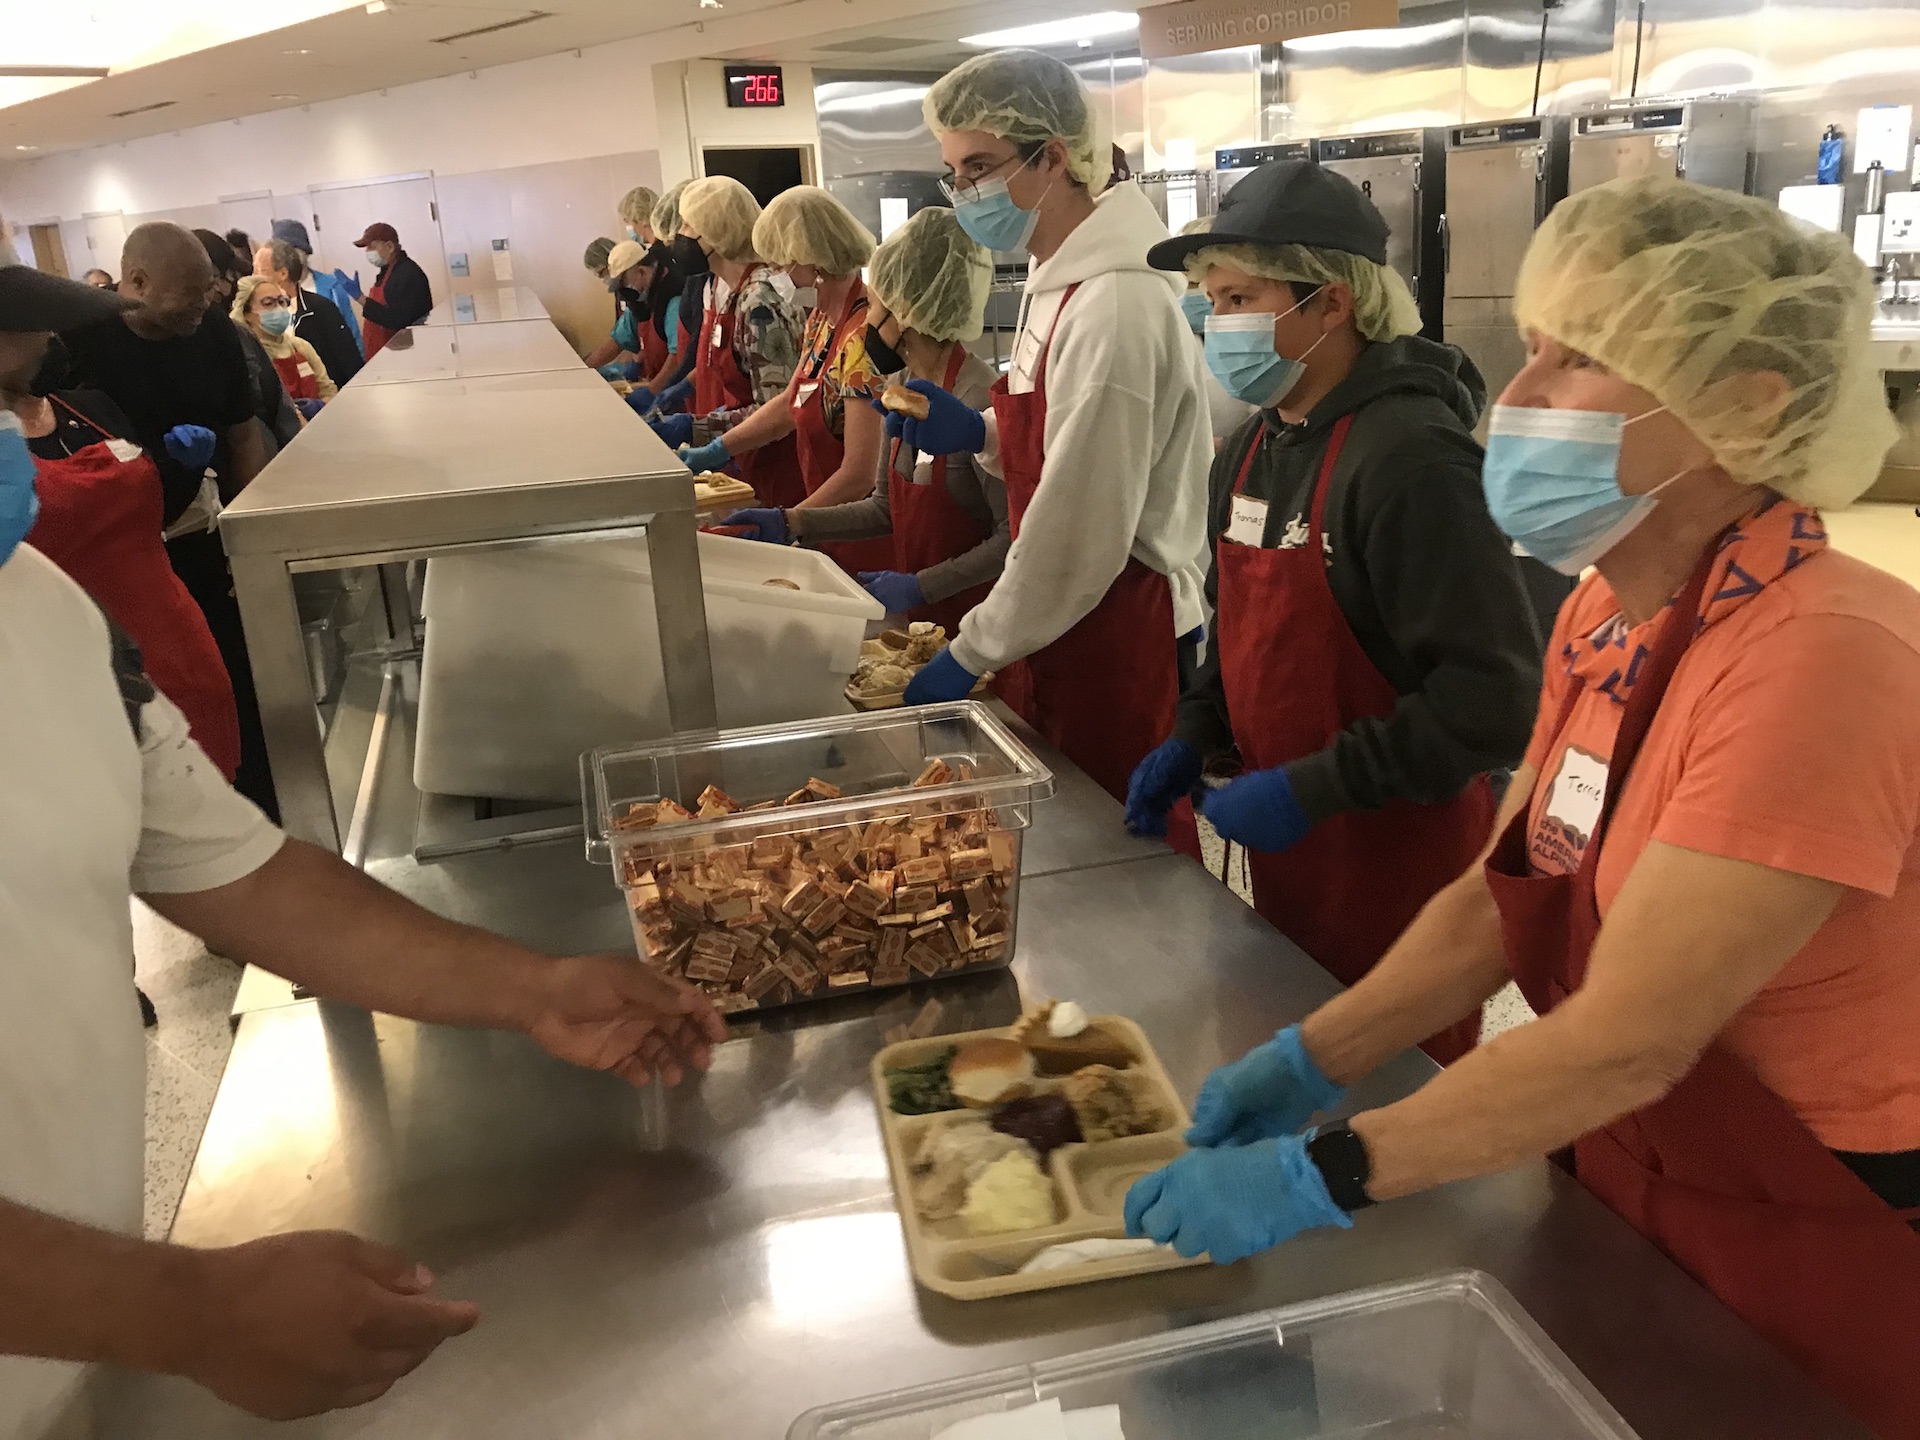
(613, 370)
(710, 456)
(770, 526)
(309, 408)
(895, 589)
(675, 430)
(630, 370)
(641, 401)
(941, 678)
(190, 445)
(1272, 1090)
(951, 427)
(1158, 782)
(1258, 810)
(676, 396)
(1229, 1204)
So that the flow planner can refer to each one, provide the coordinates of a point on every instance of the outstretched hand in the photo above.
(610, 1012)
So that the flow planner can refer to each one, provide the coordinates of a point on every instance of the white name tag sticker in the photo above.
(1572, 811)
(713, 340)
(125, 451)
(1247, 525)
(303, 370)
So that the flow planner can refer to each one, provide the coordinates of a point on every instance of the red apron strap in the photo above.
(86, 420)
(1316, 525)
(1246, 461)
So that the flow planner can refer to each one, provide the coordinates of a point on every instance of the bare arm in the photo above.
(854, 479)
(605, 353)
(247, 450)
(1689, 940)
(764, 425)
(1443, 968)
(311, 917)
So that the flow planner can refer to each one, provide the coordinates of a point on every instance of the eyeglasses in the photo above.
(274, 302)
(956, 188)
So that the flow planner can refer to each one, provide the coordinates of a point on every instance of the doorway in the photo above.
(766, 170)
(341, 214)
(49, 254)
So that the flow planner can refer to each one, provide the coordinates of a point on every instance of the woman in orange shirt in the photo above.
(1707, 879)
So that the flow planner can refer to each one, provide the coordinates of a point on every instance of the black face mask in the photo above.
(56, 369)
(688, 257)
(886, 359)
(634, 301)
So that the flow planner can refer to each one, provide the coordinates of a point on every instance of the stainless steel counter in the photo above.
(714, 1261)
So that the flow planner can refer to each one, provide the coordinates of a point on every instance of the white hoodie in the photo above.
(1128, 441)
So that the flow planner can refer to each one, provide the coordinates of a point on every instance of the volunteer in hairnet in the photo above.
(674, 300)
(1225, 414)
(636, 215)
(944, 516)
(1100, 425)
(1706, 880)
(1375, 654)
(826, 406)
(624, 337)
(749, 338)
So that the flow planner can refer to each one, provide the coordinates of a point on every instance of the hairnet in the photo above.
(932, 276)
(1684, 290)
(243, 294)
(1026, 98)
(1383, 306)
(666, 213)
(722, 212)
(636, 206)
(807, 226)
(597, 252)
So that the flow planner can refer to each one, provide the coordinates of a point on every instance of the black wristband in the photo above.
(1342, 1159)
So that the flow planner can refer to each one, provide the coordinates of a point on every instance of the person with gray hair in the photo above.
(316, 319)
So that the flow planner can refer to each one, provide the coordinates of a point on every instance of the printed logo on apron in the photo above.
(1571, 812)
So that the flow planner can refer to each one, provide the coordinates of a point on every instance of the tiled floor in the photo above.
(187, 1051)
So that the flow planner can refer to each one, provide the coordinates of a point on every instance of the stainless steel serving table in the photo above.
(712, 1261)
(460, 352)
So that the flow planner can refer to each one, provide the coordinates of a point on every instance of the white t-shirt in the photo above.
(88, 818)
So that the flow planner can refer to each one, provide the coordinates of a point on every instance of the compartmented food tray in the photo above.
(1090, 1179)
(1447, 1357)
(893, 700)
(790, 862)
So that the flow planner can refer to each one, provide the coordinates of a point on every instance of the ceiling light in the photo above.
(26, 147)
(376, 7)
(711, 5)
(283, 97)
(1058, 32)
(296, 52)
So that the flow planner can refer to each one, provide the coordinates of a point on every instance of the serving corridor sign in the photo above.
(1193, 26)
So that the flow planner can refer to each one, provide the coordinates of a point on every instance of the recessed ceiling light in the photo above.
(26, 147)
(296, 52)
(283, 97)
(711, 5)
(376, 7)
(1059, 32)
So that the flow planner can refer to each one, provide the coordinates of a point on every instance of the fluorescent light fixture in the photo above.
(26, 147)
(1074, 28)
(874, 100)
(376, 7)
(283, 97)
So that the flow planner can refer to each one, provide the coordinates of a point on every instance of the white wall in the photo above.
(690, 98)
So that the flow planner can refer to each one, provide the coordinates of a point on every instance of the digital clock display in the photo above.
(755, 86)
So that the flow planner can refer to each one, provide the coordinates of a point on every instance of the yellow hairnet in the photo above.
(636, 206)
(1689, 292)
(666, 213)
(932, 276)
(722, 212)
(1383, 306)
(807, 226)
(1026, 98)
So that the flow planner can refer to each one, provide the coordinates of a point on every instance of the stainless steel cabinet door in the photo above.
(1391, 182)
(1490, 216)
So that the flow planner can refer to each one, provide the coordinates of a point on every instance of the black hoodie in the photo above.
(1427, 583)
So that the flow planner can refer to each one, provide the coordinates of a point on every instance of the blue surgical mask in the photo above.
(1241, 355)
(276, 321)
(987, 213)
(19, 504)
(1552, 479)
(1196, 307)
(633, 234)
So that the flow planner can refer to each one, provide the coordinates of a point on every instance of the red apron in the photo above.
(720, 384)
(1720, 1174)
(376, 335)
(100, 523)
(653, 350)
(1295, 677)
(928, 527)
(821, 451)
(298, 377)
(1105, 691)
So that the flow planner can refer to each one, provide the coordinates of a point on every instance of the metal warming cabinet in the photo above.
(1404, 173)
(1707, 141)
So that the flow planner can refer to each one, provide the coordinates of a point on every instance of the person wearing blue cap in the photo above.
(337, 288)
(1374, 653)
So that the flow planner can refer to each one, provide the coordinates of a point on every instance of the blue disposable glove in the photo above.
(895, 589)
(190, 445)
(612, 370)
(952, 426)
(676, 396)
(630, 371)
(309, 408)
(350, 282)
(941, 678)
(1270, 1091)
(673, 429)
(1158, 782)
(641, 401)
(1258, 810)
(769, 526)
(1229, 1204)
(710, 456)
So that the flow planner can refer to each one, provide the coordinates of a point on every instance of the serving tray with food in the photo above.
(890, 660)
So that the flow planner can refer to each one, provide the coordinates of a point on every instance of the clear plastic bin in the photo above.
(901, 864)
(1453, 1357)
